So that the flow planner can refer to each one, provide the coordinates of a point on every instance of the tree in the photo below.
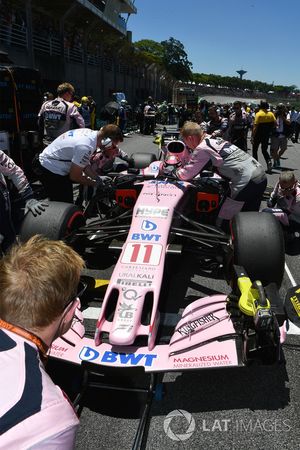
(169, 54)
(151, 50)
(175, 59)
(235, 82)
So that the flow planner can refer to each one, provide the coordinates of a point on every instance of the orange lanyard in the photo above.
(43, 348)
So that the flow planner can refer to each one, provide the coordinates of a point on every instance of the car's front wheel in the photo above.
(258, 246)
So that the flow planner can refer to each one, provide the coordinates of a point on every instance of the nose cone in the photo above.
(122, 336)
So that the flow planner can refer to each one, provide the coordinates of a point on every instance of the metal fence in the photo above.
(50, 44)
(16, 36)
(13, 34)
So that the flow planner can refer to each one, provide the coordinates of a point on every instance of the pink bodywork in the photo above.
(137, 275)
(139, 270)
(194, 344)
(203, 338)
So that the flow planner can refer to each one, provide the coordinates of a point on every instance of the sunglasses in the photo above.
(80, 290)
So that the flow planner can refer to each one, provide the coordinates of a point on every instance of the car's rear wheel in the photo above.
(258, 246)
(56, 222)
(143, 160)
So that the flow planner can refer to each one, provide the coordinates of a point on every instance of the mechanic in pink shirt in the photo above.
(284, 201)
(103, 160)
(59, 115)
(38, 286)
(246, 176)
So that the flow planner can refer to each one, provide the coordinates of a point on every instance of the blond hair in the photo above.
(111, 131)
(287, 177)
(37, 280)
(190, 129)
(65, 87)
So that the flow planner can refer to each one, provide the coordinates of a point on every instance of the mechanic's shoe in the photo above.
(269, 166)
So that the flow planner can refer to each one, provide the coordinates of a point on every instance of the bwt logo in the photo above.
(145, 237)
(147, 225)
(129, 359)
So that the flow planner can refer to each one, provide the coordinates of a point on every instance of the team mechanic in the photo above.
(9, 169)
(38, 301)
(103, 160)
(67, 160)
(246, 175)
(59, 115)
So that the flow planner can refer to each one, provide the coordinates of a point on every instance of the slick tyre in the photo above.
(258, 246)
(142, 160)
(56, 222)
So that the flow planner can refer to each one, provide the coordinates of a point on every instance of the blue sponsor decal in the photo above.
(88, 354)
(126, 359)
(71, 133)
(147, 225)
(131, 359)
(145, 237)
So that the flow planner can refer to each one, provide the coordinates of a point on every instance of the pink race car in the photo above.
(146, 217)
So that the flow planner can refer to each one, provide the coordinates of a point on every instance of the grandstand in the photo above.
(69, 41)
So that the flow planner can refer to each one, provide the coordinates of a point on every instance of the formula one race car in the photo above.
(147, 219)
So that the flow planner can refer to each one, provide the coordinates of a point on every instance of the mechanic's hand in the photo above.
(130, 161)
(103, 181)
(170, 171)
(271, 203)
(36, 206)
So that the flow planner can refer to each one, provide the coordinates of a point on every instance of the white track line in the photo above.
(292, 329)
(292, 280)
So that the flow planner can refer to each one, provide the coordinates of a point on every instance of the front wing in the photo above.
(204, 338)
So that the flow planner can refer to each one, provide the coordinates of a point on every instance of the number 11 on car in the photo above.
(142, 254)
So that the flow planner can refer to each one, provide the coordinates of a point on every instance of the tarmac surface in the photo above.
(234, 409)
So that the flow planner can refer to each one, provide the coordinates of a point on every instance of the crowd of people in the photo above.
(270, 127)
(218, 136)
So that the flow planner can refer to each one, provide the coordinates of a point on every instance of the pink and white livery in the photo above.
(207, 335)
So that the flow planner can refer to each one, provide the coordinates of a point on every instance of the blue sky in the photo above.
(222, 36)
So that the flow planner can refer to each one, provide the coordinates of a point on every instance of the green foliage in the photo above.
(149, 46)
(150, 51)
(236, 82)
(175, 59)
(170, 54)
